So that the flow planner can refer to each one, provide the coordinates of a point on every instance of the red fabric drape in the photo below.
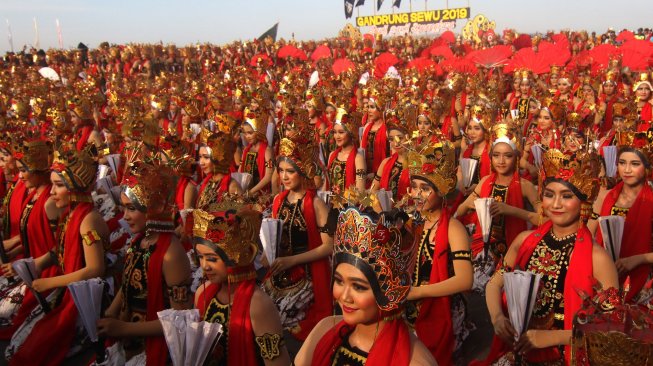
(15, 209)
(260, 158)
(392, 347)
(222, 188)
(434, 325)
(512, 225)
(181, 191)
(404, 177)
(156, 350)
(82, 136)
(636, 237)
(50, 339)
(446, 126)
(579, 277)
(607, 119)
(484, 164)
(241, 349)
(320, 271)
(380, 145)
(350, 172)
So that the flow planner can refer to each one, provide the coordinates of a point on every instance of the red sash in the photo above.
(637, 233)
(607, 119)
(260, 158)
(512, 226)
(181, 191)
(14, 210)
(380, 146)
(392, 347)
(404, 177)
(222, 188)
(156, 350)
(320, 269)
(579, 277)
(434, 325)
(50, 339)
(484, 165)
(446, 126)
(350, 167)
(84, 133)
(40, 238)
(647, 114)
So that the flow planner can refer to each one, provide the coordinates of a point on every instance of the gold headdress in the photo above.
(81, 106)
(178, 156)
(35, 154)
(315, 99)
(231, 229)
(379, 252)
(302, 153)
(149, 186)
(376, 96)
(579, 171)
(643, 79)
(502, 132)
(77, 169)
(221, 147)
(435, 163)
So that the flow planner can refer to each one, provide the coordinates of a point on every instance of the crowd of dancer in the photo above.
(153, 167)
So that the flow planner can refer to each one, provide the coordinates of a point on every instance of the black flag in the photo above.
(360, 3)
(378, 4)
(397, 4)
(272, 32)
(349, 8)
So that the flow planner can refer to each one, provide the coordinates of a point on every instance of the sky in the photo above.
(221, 21)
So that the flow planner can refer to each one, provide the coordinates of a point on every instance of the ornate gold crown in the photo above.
(581, 170)
(81, 106)
(149, 185)
(377, 97)
(222, 148)
(230, 231)
(643, 78)
(35, 154)
(315, 99)
(302, 152)
(378, 251)
(77, 169)
(502, 132)
(178, 156)
(349, 123)
(435, 163)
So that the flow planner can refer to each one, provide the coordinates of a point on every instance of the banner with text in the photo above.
(427, 21)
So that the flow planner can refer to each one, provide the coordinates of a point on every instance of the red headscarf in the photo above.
(636, 237)
(320, 269)
(404, 177)
(392, 347)
(434, 326)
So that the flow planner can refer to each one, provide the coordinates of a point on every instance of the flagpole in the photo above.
(10, 37)
(410, 6)
(37, 42)
(59, 35)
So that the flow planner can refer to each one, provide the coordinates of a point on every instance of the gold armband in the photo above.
(269, 345)
(91, 237)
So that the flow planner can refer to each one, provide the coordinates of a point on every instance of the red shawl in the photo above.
(446, 126)
(434, 325)
(380, 145)
(3, 186)
(637, 232)
(82, 136)
(241, 349)
(484, 165)
(579, 277)
(15, 209)
(260, 158)
(222, 188)
(646, 114)
(404, 177)
(39, 238)
(512, 225)
(392, 347)
(156, 350)
(181, 191)
(607, 119)
(49, 341)
(320, 269)
(350, 171)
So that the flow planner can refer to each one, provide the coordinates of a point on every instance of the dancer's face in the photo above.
(213, 267)
(135, 219)
(631, 169)
(424, 195)
(560, 204)
(59, 193)
(503, 159)
(354, 294)
(423, 125)
(475, 132)
(289, 176)
(340, 135)
(205, 160)
(544, 120)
